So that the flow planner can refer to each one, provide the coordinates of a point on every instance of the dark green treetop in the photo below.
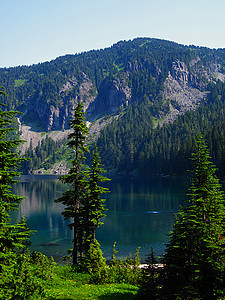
(195, 257)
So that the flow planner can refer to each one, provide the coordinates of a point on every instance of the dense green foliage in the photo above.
(47, 153)
(95, 207)
(132, 143)
(18, 278)
(143, 56)
(74, 198)
(195, 258)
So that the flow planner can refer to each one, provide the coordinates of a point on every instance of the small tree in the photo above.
(95, 207)
(149, 278)
(195, 257)
(95, 263)
(74, 198)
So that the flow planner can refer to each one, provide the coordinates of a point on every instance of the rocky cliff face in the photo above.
(183, 90)
(51, 117)
(113, 94)
(58, 117)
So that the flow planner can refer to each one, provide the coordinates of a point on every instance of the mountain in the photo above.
(132, 92)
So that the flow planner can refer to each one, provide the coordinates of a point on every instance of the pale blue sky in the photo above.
(34, 31)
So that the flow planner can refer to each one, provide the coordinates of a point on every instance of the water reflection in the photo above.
(140, 213)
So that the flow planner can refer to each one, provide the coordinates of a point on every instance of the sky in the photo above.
(34, 31)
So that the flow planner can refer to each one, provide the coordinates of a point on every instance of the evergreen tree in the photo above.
(74, 198)
(149, 277)
(11, 236)
(15, 282)
(93, 210)
(96, 203)
(195, 257)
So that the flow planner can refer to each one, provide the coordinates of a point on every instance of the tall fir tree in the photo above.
(74, 198)
(94, 208)
(195, 257)
(14, 267)
(11, 236)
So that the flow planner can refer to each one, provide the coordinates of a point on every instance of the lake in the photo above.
(140, 214)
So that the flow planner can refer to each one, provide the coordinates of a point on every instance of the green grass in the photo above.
(71, 285)
(70, 290)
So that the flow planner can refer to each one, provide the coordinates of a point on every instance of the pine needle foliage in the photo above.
(94, 207)
(195, 257)
(83, 202)
(16, 277)
(74, 198)
(12, 236)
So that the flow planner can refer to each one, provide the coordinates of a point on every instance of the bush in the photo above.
(124, 270)
(118, 271)
(43, 266)
(94, 263)
(18, 278)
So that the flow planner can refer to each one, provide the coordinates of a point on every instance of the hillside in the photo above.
(138, 88)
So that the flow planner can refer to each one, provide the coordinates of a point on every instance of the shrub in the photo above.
(124, 270)
(94, 263)
(18, 278)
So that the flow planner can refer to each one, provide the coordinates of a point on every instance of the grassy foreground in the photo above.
(67, 285)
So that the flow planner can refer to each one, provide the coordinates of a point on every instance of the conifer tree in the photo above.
(14, 282)
(97, 207)
(11, 236)
(74, 198)
(93, 210)
(195, 257)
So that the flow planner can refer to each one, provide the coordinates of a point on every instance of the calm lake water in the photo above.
(140, 214)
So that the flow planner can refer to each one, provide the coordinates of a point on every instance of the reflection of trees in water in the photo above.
(40, 210)
(127, 221)
(40, 195)
(128, 204)
(145, 194)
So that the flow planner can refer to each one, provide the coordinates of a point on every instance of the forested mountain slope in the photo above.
(150, 92)
(134, 143)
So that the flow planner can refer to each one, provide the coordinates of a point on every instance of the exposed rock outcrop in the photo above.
(113, 94)
(58, 117)
(181, 92)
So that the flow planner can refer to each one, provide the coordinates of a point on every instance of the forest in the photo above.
(134, 143)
